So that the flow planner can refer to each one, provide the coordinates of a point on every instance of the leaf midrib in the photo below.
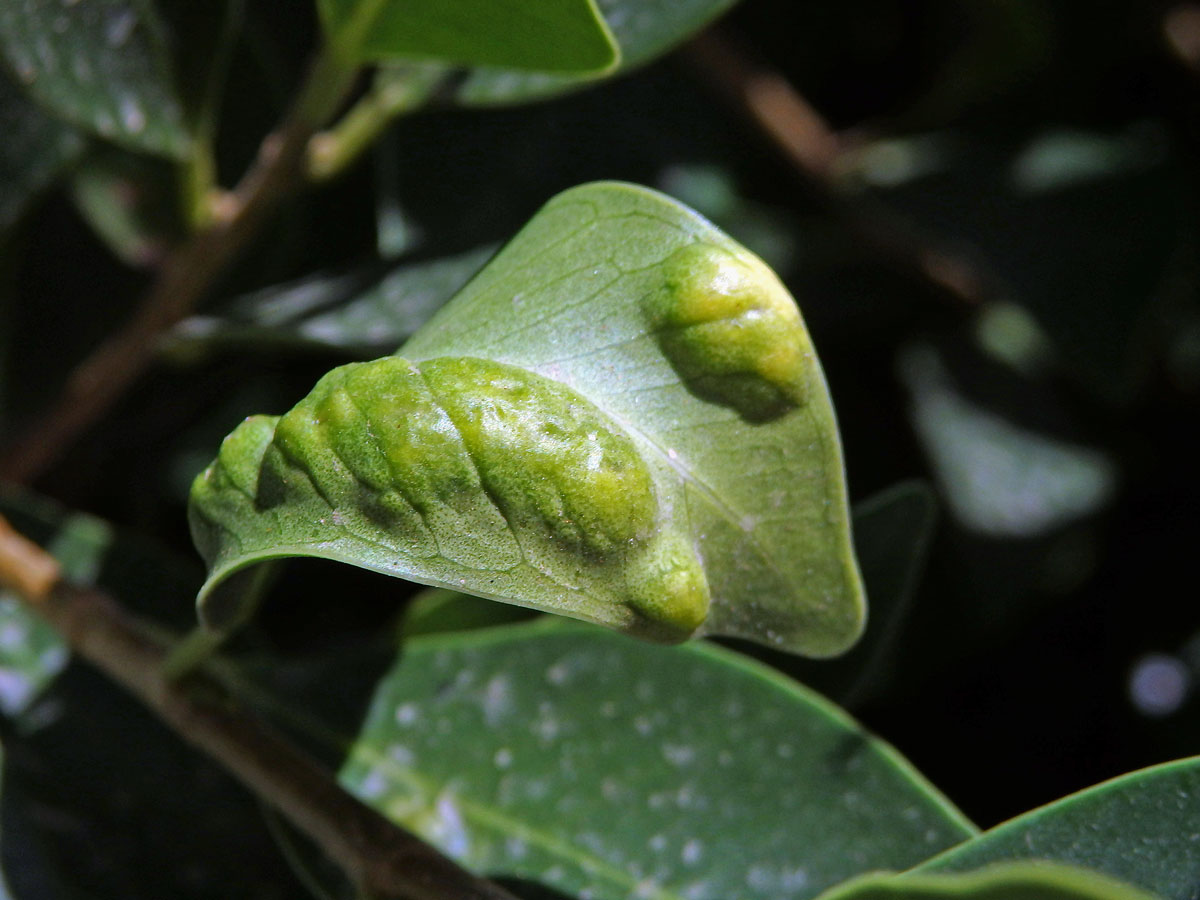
(491, 817)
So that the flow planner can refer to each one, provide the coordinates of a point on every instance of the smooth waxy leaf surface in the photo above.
(1142, 828)
(101, 64)
(643, 29)
(603, 767)
(1010, 881)
(621, 419)
(553, 35)
(36, 147)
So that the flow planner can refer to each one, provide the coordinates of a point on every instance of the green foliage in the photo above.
(643, 29)
(586, 476)
(1140, 828)
(512, 747)
(1014, 881)
(617, 416)
(102, 65)
(553, 35)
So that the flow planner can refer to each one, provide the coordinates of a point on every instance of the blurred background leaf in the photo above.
(103, 65)
(35, 149)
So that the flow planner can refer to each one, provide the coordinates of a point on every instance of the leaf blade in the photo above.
(102, 65)
(556, 35)
(559, 729)
(1004, 881)
(643, 30)
(1140, 828)
(644, 327)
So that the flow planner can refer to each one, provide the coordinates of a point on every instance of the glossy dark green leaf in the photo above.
(101, 64)
(620, 419)
(552, 35)
(643, 30)
(35, 149)
(599, 766)
(335, 312)
(1142, 828)
(1008, 881)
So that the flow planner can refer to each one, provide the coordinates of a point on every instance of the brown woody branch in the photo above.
(186, 275)
(384, 860)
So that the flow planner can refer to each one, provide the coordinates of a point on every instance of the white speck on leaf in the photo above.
(497, 699)
(678, 754)
(448, 828)
(558, 674)
(401, 755)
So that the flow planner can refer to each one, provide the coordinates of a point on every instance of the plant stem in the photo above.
(384, 859)
(97, 382)
(394, 92)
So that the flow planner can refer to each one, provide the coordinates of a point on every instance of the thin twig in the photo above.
(1181, 29)
(99, 380)
(816, 151)
(383, 859)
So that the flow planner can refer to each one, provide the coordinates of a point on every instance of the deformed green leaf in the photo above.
(522, 750)
(551, 35)
(36, 147)
(620, 419)
(1006, 881)
(102, 65)
(1142, 828)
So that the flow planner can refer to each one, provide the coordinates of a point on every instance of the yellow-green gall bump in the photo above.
(667, 585)
(548, 457)
(732, 331)
(480, 463)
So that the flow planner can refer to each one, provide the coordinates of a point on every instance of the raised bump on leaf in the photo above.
(731, 330)
(548, 456)
(616, 305)
(477, 462)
